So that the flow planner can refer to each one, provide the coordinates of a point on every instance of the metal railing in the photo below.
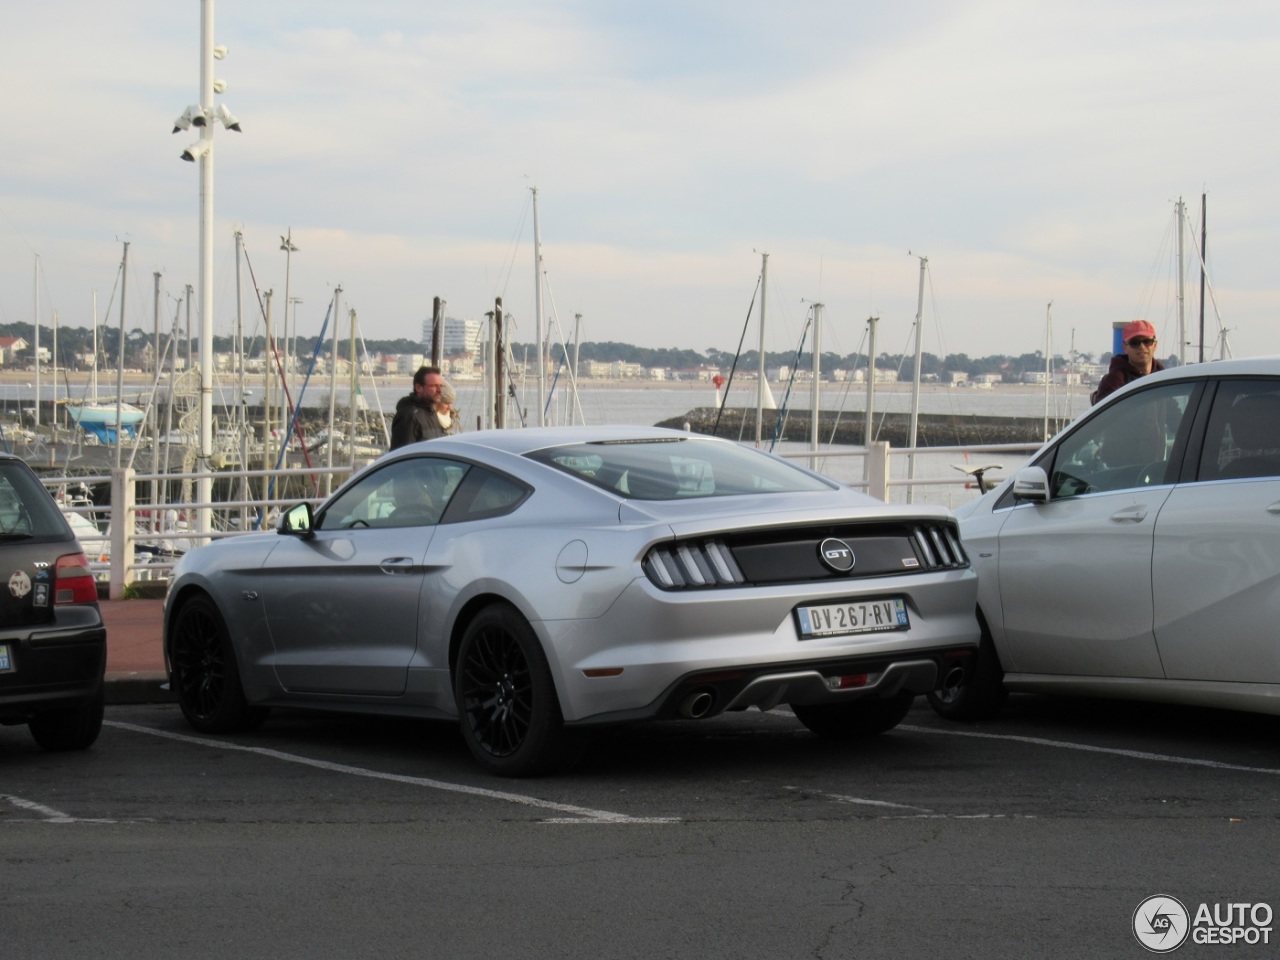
(148, 529)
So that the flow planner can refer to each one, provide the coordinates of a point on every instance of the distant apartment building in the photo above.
(458, 336)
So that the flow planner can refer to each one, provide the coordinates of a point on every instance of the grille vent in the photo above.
(939, 547)
(693, 563)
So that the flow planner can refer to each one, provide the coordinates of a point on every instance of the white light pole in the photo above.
(203, 115)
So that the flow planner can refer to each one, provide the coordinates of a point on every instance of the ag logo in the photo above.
(836, 555)
(1161, 924)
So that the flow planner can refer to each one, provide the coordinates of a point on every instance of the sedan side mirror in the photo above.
(1031, 484)
(296, 521)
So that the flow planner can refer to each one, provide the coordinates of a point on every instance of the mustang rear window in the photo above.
(678, 469)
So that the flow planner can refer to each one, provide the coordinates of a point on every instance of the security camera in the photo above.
(228, 119)
(185, 121)
(198, 149)
(198, 117)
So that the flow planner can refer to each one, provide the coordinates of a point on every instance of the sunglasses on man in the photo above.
(1142, 341)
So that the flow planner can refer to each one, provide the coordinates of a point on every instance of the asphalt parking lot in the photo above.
(1037, 834)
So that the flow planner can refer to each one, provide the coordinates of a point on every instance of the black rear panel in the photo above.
(808, 554)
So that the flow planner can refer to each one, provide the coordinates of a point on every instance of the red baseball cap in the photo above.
(1137, 328)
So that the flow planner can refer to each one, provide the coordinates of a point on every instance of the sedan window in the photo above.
(1242, 439)
(1128, 444)
(410, 492)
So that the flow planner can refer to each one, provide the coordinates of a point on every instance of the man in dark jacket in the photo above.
(1138, 359)
(415, 417)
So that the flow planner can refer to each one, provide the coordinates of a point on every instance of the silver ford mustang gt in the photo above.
(534, 585)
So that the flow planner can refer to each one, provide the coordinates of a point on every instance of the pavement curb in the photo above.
(136, 687)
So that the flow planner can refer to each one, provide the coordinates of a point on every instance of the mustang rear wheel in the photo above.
(205, 675)
(507, 704)
(861, 718)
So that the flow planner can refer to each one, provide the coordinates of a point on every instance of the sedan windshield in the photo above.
(677, 469)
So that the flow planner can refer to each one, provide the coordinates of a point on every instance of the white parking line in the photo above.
(577, 814)
(863, 801)
(47, 814)
(1088, 748)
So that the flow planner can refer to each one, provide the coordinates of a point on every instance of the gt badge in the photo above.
(836, 555)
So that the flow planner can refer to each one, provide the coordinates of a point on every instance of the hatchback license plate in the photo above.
(6, 659)
(862, 616)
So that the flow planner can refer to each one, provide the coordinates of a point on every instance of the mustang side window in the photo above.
(405, 493)
(1126, 445)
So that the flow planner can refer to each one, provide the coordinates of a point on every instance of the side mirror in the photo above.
(1031, 484)
(296, 521)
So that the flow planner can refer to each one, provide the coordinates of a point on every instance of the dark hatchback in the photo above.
(53, 645)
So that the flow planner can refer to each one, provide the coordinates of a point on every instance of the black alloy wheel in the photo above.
(205, 676)
(507, 704)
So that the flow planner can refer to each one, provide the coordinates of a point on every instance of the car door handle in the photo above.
(396, 565)
(1274, 508)
(1131, 515)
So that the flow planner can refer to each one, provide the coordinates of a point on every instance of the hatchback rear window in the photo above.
(26, 509)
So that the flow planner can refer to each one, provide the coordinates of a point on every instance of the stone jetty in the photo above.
(932, 429)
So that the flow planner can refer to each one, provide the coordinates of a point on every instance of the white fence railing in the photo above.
(146, 530)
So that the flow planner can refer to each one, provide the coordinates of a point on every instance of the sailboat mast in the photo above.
(915, 385)
(35, 286)
(537, 308)
(241, 400)
(1181, 213)
(124, 279)
(1204, 252)
(871, 383)
(53, 416)
(762, 384)
(817, 376)
(1048, 363)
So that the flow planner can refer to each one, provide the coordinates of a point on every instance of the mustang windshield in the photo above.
(678, 469)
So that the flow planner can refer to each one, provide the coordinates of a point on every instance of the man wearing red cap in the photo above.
(1138, 359)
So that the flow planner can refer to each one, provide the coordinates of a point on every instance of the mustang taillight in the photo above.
(73, 581)
(692, 563)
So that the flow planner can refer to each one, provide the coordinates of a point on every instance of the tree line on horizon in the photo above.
(74, 342)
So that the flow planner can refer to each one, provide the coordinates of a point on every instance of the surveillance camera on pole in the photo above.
(197, 150)
(227, 119)
(185, 121)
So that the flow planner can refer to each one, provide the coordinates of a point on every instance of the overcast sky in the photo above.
(1033, 151)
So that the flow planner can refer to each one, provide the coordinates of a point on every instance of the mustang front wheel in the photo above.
(205, 675)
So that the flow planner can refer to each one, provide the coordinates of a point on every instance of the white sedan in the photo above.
(1138, 554)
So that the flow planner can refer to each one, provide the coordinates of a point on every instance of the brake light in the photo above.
(73, 580)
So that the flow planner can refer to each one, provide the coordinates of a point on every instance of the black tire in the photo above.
(982, 694)
(205, 675)
(508, 710)
(860, 718)
(74, 729)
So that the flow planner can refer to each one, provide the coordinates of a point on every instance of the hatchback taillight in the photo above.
(73, 580)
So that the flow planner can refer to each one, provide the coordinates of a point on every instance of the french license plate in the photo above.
(860, 616)
(6, 658)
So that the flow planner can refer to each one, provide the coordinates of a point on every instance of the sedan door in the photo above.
(344, 605)
(1075, 573)
(1217, 546)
